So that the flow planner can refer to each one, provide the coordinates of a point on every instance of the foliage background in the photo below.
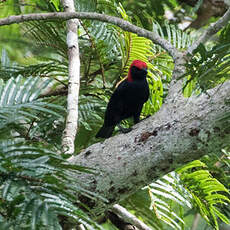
(34, 60)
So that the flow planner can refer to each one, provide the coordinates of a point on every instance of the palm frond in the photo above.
(88, 111)
(208, 68)
(38, 186)
(106, 40)
(187, 188)
(178, 38)
(135, 47)
(165, 192)
(47, 67)
(207, 192)
(224, 35)
(86, 5)
(159, 204)
(139, 204)
(91, 112)
(48, 35)
(5, 66)
(99, 43)
(19, 101)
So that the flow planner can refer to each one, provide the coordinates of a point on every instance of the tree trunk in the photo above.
(207, 9)
(70, 130)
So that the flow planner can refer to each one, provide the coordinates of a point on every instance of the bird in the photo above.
(127, 100)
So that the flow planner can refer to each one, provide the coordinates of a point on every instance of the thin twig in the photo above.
(81, 227)
(57, 92)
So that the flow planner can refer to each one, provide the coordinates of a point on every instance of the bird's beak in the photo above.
(145, 69)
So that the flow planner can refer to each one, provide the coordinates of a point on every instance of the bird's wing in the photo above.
(115, 107)
(118, 95)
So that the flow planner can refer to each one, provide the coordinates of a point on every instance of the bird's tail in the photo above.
(105, 132)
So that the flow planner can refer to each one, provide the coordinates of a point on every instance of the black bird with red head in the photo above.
(127, 100)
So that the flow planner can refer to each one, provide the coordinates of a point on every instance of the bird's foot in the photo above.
(124, 130)
(145, 118)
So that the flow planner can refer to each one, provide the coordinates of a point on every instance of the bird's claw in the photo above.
(124, 130)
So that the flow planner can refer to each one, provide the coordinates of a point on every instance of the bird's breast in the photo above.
(137, 93)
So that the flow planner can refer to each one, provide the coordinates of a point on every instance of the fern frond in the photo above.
(105, 42)
(208, 68)
(207, 192)
(163, 193)
(48, 35)
(178, 38)
(136, 47)
(86, 5)
(31, 177)
(19, 101)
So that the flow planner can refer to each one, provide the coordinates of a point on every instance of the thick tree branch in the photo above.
(178, 133)
(70, 130)
(211, 30)
(127, 26)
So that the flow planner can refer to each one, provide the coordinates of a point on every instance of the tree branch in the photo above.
(211, 30)
(81, 227)
(56, 92)
(127, 26)
(178, 133)
(120, 223)
(70, 130)
(129, 218)
(195, 221)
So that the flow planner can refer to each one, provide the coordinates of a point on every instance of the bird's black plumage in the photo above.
(127, 100)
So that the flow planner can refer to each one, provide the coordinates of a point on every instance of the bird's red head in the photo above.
(139, 64)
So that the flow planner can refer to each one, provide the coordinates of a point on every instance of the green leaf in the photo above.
(56, 4)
